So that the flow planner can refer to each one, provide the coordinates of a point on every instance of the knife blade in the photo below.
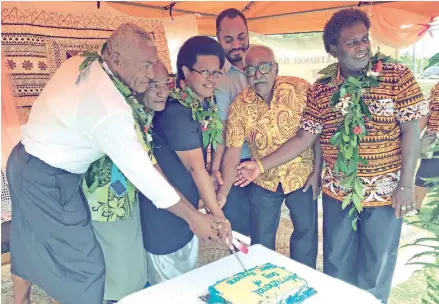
(235, 255)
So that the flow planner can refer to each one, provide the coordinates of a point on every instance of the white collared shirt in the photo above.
(74, 124)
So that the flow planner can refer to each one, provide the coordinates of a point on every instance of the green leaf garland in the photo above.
(348, 100)
(143, 117)
(210, 121)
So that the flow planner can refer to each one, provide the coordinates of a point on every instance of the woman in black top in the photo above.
(182, 134)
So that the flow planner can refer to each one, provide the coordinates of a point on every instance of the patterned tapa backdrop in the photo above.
(36, 42)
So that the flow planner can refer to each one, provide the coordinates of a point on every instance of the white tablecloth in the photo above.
(187, 288)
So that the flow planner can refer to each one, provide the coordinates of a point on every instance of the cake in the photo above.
(262, 284)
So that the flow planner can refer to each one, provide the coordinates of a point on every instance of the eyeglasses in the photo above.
(264, 68)
(206, 73)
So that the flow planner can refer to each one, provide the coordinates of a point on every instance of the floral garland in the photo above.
(348, 100)
(210, 121)
(143, 117)
(107, 205)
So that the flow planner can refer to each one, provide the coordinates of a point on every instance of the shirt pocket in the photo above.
(383, 120)
(382, 107)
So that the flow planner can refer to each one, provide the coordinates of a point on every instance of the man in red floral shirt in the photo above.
(388, 152)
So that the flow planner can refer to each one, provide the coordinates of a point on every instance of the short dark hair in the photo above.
(229, 13)
(341, 19)
(196, 46)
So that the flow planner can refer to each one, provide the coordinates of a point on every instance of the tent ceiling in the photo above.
(266, 17)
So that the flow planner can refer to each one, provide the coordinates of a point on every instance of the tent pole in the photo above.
(321, 10)
(247, 7)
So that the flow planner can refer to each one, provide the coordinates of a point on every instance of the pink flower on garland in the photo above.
(357, 130)
(378, 67)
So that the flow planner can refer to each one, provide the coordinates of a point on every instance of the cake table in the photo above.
(187, 288)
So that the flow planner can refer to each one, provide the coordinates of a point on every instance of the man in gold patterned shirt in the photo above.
(266, 115)
(366, 257)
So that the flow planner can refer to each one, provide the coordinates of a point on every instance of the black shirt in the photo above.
(174, 130)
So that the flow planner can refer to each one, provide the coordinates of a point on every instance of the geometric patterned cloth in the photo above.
(37, 41)
(397, 99)
(6, 200)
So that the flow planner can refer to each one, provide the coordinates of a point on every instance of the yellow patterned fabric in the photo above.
(267, 127)
(398, 98)
(433, 121)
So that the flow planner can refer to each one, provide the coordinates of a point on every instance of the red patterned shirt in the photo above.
(398, 98)
(433, 121)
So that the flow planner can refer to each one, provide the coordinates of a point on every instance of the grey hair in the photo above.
(259, 47)
(127, 35)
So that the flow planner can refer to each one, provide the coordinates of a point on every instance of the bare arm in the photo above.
(217, 156)
(289, 150)
(427, 139)
(315, 178)
(194, 162)
(200, 224)
(403, 199)
(318, 157)
(232, 157)
(410, 148)
(423, 121)
(185, 210)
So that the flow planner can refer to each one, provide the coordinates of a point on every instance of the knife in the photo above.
(235, 254)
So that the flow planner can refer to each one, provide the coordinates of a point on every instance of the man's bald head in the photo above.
(260, 51)
(128, 35)
(130, 53)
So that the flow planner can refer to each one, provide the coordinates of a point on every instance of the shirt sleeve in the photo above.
(115, 136)
(235, 132)
(312, 121)
(409, 103)
(433, 121)
(180, 129)
(223, 100)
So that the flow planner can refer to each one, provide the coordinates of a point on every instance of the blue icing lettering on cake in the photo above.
(264, 284)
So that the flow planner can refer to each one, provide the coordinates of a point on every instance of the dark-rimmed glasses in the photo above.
(206, 73)
(264, 68)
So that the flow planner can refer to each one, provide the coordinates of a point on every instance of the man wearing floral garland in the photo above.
(116, 216)
(87, 110)
(364, 111)
(266, 115)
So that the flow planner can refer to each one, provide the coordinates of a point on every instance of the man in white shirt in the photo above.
(78, 118)
(232, 34)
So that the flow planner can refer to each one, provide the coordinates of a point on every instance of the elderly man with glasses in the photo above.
(266, 115)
